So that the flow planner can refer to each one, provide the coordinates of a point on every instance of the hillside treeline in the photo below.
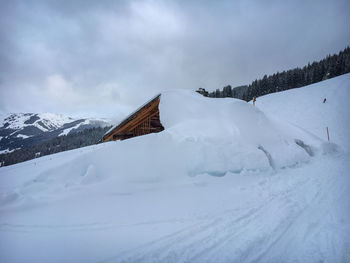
(327, 68)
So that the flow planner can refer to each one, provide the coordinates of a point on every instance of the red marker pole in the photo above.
(328, 133)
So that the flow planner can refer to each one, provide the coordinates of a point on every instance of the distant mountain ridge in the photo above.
(22, 130)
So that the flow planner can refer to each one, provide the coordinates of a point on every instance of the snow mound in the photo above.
(202, 136)
(232, 135)
(217, 135)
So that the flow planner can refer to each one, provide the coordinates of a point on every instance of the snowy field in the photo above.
(224, 182)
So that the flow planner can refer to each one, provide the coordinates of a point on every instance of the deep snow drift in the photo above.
(225, 182)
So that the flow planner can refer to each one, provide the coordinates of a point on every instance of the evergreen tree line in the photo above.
(327, 68)
(58, 144)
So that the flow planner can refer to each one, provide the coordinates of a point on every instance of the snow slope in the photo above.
(305, 108)
(224, 182)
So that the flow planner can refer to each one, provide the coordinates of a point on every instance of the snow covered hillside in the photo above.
(21, 130)
(224, 182)
(305, 108)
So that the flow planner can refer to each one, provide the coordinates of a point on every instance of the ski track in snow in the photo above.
(249, 234)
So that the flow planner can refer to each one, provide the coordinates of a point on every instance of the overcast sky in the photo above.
(104, 58)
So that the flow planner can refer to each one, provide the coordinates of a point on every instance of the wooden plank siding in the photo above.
(144, 121)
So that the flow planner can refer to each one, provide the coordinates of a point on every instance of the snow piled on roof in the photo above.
(218, 129)
(232, 132)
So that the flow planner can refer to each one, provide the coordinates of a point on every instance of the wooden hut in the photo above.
(143, 121)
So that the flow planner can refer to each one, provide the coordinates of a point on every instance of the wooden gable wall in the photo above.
(144, 121)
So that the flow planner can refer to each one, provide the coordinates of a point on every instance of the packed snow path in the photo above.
(76, 206)
(292, 217)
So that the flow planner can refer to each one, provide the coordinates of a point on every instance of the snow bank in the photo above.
(201, 136)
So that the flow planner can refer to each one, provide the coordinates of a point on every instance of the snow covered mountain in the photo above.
(224, 182)
(26, 129)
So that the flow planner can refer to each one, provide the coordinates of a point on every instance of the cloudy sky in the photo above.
(104, 58)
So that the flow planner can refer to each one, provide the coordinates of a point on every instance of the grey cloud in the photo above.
(109, 56)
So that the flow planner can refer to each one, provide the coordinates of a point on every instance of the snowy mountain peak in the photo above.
(42, 121)
(18, 130)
